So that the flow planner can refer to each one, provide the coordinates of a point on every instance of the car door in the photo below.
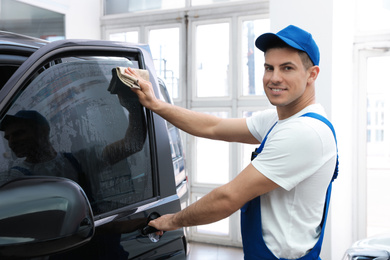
(65, 114)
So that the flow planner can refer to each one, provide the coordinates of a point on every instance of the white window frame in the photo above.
(363, 50)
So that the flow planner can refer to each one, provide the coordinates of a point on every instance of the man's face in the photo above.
(285, 77)
(21, 138)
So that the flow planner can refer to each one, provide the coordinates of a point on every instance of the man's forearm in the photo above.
(192, 122)
(212, 207)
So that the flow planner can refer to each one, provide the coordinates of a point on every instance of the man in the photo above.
(293, 171)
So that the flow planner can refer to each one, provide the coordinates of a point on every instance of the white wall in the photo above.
(82, 17)
(344, 224)
(331, 24)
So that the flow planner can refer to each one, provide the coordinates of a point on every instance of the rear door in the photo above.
(99, 136)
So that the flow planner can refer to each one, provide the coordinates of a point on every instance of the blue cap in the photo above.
(24, 115)
(294, 37)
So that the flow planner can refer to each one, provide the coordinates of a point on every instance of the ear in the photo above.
(313, 74)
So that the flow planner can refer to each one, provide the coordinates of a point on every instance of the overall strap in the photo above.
(315, 251)
(82, 177)
(260, 148)
(75, 163)
(329, 124)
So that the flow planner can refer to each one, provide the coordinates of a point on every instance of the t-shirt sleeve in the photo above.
(291, 154)
(261, 122)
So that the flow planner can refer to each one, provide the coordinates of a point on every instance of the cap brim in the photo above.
(267, 40)
(6, 120)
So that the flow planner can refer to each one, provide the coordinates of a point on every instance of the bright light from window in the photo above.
(212, 60)
(373, 15)
(124, 37)
(208, 2)
(165, 45)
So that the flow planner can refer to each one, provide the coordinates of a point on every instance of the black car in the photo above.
(84, 166)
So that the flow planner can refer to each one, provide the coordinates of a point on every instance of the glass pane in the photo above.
(208, 2)
(124, 37)
(130, 6)
(68, 123)
(378, 146)
(26, 19)
(219, 228)
(175, 141)
(212, 60)
(165, 47)
(212, 159)
(253, 58)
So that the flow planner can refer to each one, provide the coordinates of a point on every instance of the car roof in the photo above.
(23, 42)
(51, 49)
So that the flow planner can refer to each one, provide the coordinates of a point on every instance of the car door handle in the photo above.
(149, 230)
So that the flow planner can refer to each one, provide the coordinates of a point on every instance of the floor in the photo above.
(199, 251)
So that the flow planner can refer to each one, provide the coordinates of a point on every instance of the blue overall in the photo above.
(251, 230)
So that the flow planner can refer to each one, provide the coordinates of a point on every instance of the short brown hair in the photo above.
(307, 63)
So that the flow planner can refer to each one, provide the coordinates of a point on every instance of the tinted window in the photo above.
(68, 123)
(174, 134)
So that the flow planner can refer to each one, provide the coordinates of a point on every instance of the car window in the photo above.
(174, 134)
(70, 122)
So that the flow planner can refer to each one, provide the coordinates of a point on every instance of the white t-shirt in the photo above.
(59, 167)
(300, 156)
(89, 160)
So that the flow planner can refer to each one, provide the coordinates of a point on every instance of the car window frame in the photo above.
(41, 58)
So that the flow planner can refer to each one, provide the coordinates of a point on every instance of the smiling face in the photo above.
(288, 84)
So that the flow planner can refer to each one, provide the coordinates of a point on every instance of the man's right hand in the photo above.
(146, 94)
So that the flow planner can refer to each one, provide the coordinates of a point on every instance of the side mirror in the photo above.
(43, 215)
